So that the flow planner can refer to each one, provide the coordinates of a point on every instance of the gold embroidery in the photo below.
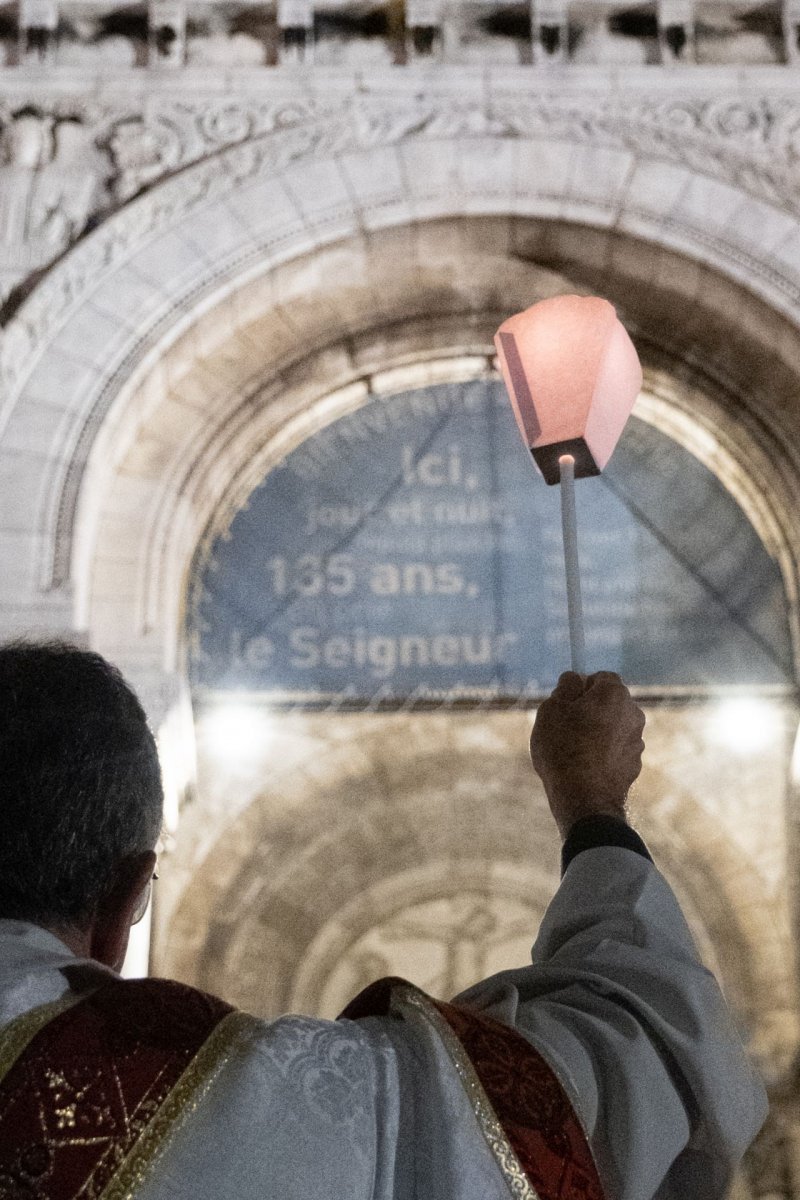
(181, 1102)
(21, 1031)
(408, 1001)
(65, 1098)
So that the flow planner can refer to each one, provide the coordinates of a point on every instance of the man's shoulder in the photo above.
(165, 995)
(165, 1011)
(157, 1012)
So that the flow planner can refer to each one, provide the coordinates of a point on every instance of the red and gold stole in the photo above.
(521, 1107)
(91, 1091)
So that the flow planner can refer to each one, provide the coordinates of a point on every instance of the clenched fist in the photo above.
(587, 747)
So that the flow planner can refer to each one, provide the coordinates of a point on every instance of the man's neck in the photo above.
(76, 940)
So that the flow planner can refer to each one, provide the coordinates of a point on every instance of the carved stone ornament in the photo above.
(749, 141)
(51, 184)
(113, 151)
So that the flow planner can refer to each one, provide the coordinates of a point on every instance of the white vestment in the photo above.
(615, 999)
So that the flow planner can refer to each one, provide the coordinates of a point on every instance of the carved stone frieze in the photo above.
(751, 141)
(52, 182)
(136, 169)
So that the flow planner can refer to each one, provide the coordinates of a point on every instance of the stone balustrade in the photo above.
(171, 34)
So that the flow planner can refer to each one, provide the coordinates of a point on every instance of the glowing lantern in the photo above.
(572, 375)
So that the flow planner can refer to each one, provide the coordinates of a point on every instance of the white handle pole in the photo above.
(569, 526)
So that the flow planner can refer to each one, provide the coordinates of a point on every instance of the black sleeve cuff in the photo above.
(590, 832)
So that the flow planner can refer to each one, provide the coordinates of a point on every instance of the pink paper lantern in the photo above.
(573, 375)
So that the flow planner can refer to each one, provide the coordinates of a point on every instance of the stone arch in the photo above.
(109, 425)
(730, 909)
(220, 436)
(361, 760)
(277, 879)
(178, 275)
(155, 370)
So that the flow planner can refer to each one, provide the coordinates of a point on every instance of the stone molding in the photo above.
(249, 849)
(746, 137)
(335, 164)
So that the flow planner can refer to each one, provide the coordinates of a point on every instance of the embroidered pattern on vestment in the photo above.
(23, 1029)
(94, 1094)
(520, 1104)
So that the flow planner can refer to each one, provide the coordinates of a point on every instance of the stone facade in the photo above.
(201, 267)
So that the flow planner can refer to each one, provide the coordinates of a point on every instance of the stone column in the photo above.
(167, 33)
(296, 24)
(549, 26)
(676, 34)
(423, 28)
(38, 27)
(791, 30)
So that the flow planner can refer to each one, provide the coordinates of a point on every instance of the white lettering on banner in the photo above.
(383, 656)
(417, 579)
(478, 511)
(255, 652)
(332, 516)
(406, 512)
(313, 575)
(432, 470)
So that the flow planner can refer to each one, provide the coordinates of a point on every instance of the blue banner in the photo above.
(411, 549)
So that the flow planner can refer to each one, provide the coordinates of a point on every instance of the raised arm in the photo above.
(616, 998)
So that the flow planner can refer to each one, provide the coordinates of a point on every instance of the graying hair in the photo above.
(80, 784)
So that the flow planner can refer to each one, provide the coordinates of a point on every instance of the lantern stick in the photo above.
(569, 527)
(572, 375)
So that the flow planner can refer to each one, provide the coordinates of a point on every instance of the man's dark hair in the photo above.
(80, 785)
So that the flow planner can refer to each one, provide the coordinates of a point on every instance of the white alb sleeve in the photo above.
(636, 1028)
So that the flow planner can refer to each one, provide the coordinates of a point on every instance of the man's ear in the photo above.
(122, 906)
